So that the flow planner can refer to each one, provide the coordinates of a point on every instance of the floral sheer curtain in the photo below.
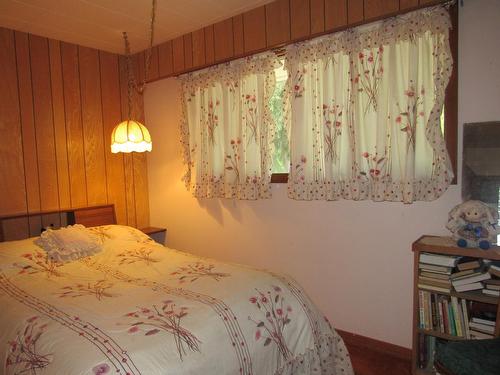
(227, 128)
(364, 111)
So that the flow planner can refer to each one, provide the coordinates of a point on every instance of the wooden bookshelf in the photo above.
(446, 246)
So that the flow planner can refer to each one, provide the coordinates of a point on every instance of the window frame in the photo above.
(450, 103)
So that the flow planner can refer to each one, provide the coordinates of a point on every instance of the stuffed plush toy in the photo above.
(473, 224)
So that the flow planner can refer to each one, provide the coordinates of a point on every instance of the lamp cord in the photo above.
(132, 81)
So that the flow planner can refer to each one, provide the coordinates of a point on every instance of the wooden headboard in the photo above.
(16, 227)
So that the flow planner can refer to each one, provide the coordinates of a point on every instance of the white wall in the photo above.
(353, 258)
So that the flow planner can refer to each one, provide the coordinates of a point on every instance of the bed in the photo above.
(137, 307)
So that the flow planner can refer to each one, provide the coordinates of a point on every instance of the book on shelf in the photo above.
(491, 292)
(439, 260)
(435, 275)
(466, 318)
(473, 278)
(468, 287)
(487, 322)
(435, 288)
(494, 270)
(493, 284)
(459, 274)
(458, 316)
(435, 269)
(480, 335)
(484, 328)
(433, 281)
(467, 263)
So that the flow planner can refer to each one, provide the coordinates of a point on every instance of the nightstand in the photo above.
(157, 234)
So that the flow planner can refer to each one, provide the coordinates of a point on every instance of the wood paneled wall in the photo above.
(58, 105)
(275, 24)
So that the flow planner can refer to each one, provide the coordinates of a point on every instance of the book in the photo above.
(479, 335)
(492, 284)
(484, 328)
(439, 260)
(468, 263)
(484, 321)
(432, 281)
(494, 293)
(467, 287)
(435, 288)
(446, 316)
(421, 309)
(441, 316)
(494, 270)
(431, 350)
(457, 275)
(451, 320)
(435, 269)
(457, 316)
(474, 278)
(435, 275)
(466, 318)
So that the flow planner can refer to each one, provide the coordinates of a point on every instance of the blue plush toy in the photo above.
(474, 224)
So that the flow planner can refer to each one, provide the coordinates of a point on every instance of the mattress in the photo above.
(137, 307)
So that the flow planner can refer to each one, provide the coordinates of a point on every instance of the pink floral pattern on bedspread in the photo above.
(140, 308)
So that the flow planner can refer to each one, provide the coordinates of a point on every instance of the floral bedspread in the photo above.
(138, 307)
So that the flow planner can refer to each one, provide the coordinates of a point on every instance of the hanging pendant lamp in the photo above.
(130, 135)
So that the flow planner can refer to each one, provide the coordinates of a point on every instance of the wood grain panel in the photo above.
(379, 8)
(223, 40)
(27, 122)
(44, 123)
(238, 36)
(198, 48)
(111, 116)
(188, 51)
(74, 130)
(355, 11)
(209, 44)
(406, 4)
(128, 168)
(254, 28)
(58, 105)
(277, 23)
(178, 54)
(12, 185)
(166, 64)
(59, 124)
(95, 167)
(300, 19)
(154, 69)
(335, 14)
(318, 16)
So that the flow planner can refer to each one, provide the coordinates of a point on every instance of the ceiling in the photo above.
(100, 23)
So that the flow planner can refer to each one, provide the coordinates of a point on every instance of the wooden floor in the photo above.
(375, 363)
(374, 357)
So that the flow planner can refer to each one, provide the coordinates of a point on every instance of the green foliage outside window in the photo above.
(281, 156)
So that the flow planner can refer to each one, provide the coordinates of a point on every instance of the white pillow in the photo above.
(69, 243)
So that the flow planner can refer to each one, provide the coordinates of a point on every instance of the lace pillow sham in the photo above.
(69, 243)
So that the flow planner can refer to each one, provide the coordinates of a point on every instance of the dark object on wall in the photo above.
(481, 162)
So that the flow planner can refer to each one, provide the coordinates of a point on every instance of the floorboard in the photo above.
(367, 362)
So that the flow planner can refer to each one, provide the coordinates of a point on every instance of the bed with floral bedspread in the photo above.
(137, 307)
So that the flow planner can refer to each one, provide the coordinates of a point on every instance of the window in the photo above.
(281, 155)
(449, 118)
